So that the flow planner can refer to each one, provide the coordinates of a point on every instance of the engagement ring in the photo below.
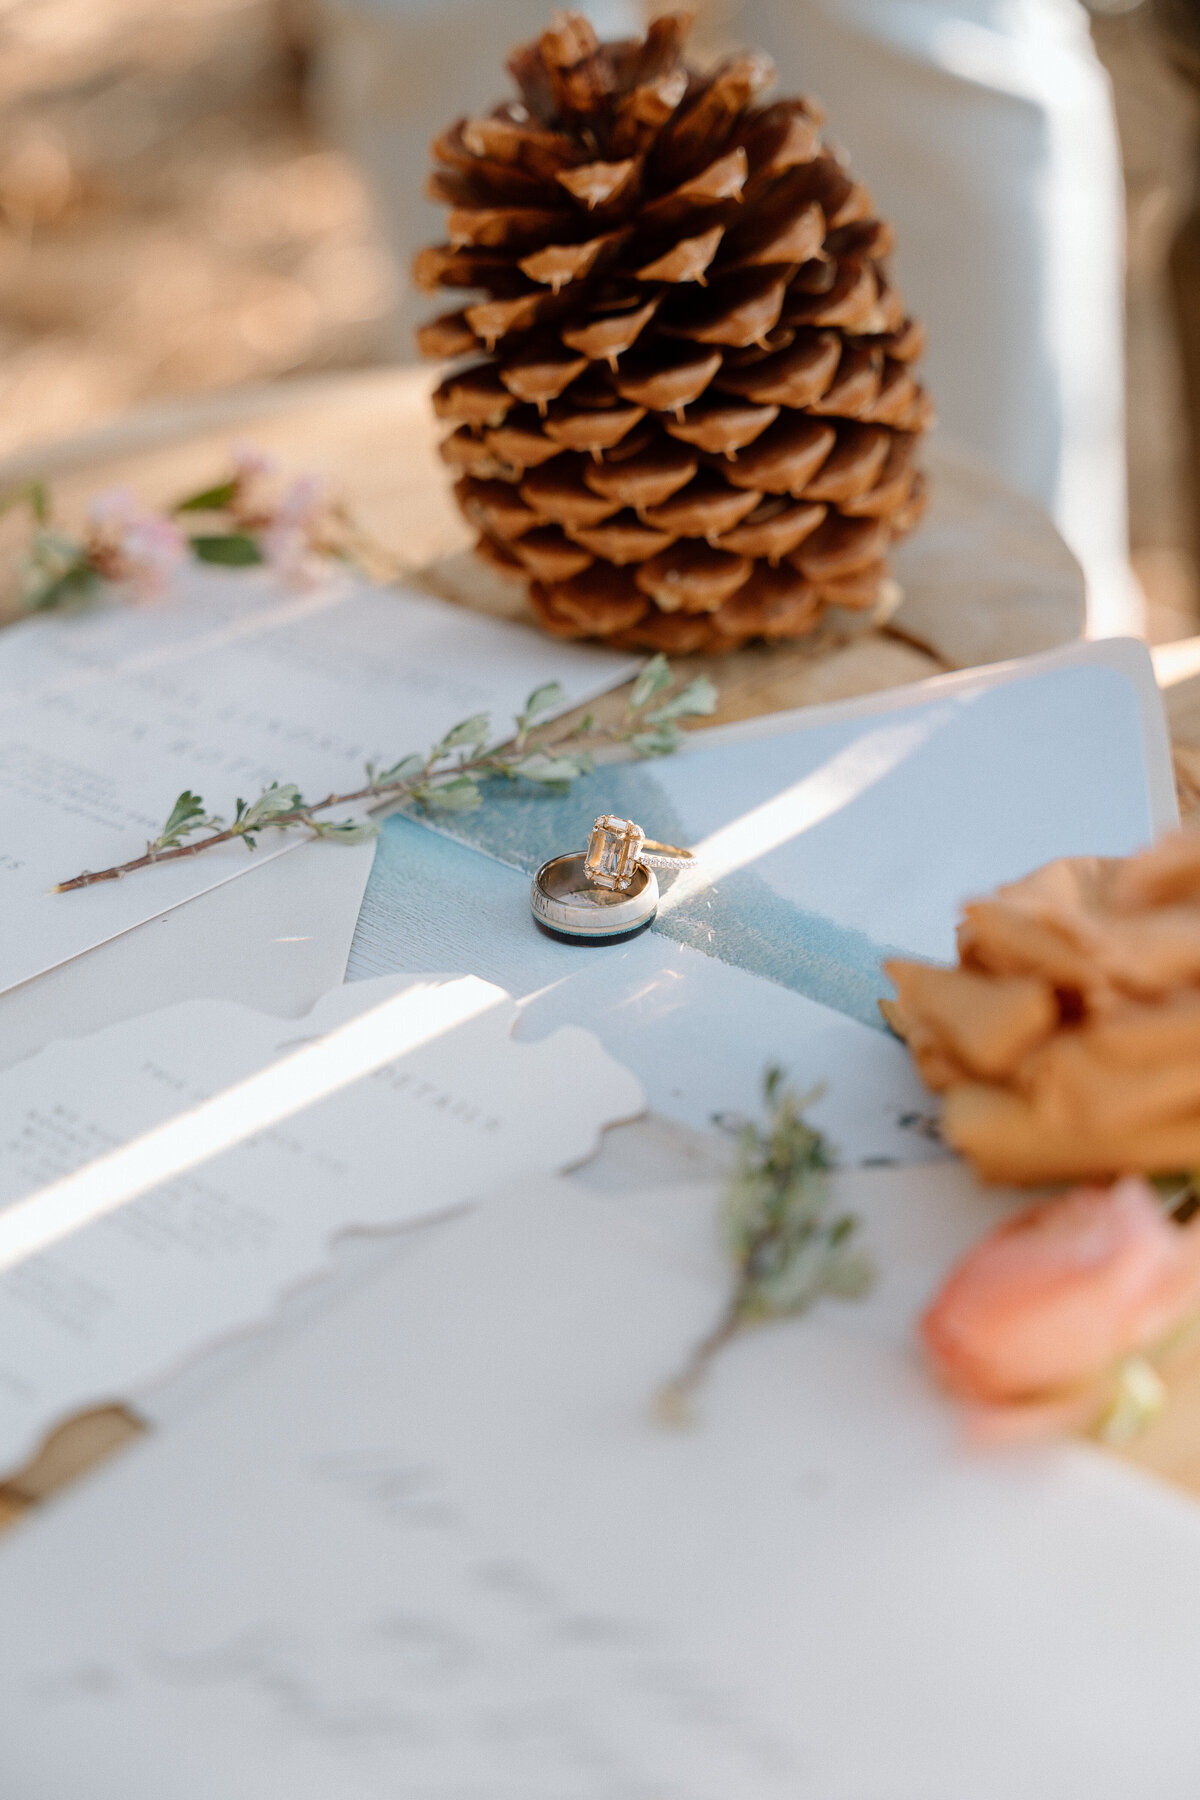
(617, 848)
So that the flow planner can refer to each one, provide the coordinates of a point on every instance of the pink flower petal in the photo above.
(1059, 1294)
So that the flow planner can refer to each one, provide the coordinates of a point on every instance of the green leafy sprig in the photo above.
(785, 1247)
(56, 571)
(449, 779)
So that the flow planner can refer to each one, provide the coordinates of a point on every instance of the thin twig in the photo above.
(672, 1403)
(785, 1247)
(378, 794)
(649, 725)
(900, 636)
(299, 815)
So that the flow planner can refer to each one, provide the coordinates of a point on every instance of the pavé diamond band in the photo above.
(618, 847)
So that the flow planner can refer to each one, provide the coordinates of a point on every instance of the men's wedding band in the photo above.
(568, 904)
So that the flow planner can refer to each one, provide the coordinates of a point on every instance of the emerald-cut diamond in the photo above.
(613, 851)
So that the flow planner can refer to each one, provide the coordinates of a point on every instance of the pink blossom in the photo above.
(252, 464)
(1034, 1322)
(252, 503)
(141, 550)
(290, 539)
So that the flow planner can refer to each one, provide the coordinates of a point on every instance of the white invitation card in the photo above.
(276, 941)
(436, 1545)
(107, 716)
(165, 1181)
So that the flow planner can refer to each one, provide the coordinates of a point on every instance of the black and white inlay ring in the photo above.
(568, 904)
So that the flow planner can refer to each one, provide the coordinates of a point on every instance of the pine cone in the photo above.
(694, 419)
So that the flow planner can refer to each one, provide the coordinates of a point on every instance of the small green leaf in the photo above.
(187, 815)
(346, 831)
(542, 768)
(549, 698)
(849, 1275)
(664, 740)
(653, 679)
(405, 770)
(213, 499)
(459, 795)
(280, 797)
(473, 731)
(1139, 1397)
(231, 550)
(34, 494)
(796, 1281)
(74, 588)
(695, 701)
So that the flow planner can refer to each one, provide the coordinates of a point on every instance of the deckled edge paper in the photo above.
(169, 1179)
(436, 1544)
(276, 941)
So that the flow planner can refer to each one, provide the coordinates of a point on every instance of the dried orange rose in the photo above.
(1067, 1041)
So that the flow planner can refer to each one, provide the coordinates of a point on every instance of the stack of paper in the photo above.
(168, 1181)
(437, 1546)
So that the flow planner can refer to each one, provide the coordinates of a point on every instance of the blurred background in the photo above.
(187, 204)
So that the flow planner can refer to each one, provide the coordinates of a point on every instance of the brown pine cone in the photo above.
(690, 416)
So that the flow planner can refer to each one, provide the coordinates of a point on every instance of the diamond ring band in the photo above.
(617, 848)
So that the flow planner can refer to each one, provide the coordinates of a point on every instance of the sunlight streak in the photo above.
(839, 781)
(1178, 662)
(321, 1067)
